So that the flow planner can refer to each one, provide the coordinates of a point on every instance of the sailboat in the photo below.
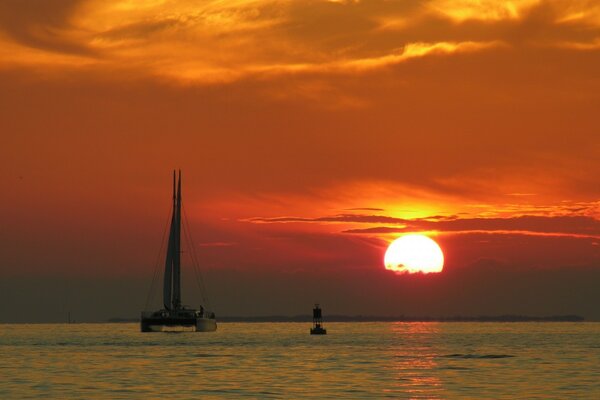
(174, 314)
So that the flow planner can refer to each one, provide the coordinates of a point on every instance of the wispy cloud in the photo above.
(583, 46)
(357, 218)
(486, 10)
(575, 226)
(216, 41)
(365, 209)
(217, 244)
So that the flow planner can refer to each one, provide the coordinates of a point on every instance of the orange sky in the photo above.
(310, 134)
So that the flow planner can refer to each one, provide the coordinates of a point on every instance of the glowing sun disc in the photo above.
(414, 253)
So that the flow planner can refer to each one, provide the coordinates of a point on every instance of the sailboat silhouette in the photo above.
(173, 313)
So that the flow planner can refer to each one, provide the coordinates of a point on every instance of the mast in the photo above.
(177, 251)
(317, 317)
(168, 277)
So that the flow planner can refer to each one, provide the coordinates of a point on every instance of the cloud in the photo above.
(412, 50)
(486, 10)
(511, 232)
(217, 244)
(334, 218)
(365, 209)
(215, 42)
(41, 25)
(574, 226)
(582, 46)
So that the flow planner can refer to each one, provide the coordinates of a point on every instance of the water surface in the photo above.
(281, 360)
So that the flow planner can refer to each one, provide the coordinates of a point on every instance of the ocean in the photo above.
(434, 360)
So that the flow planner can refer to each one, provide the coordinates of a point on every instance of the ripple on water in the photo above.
(479, 356)
(374, 360)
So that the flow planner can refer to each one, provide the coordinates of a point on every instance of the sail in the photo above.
(177, 251)
(171, 250)
(172, 279)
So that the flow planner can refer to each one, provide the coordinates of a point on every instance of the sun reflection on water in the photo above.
(414, 360)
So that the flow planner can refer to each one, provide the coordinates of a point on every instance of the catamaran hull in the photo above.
(178, 324)
(206, 325)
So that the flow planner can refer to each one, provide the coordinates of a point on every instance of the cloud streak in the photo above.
(574, 226)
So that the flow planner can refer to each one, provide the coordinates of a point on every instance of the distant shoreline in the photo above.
(366, 318)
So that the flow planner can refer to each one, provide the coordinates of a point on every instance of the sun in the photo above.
(414, 253)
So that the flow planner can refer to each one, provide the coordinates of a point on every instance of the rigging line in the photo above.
(195, 262)
(194, 256)
(189, 250)
(157, 264)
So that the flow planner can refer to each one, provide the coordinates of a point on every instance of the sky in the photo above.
(310, 134)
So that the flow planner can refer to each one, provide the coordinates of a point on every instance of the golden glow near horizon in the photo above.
(413, 254)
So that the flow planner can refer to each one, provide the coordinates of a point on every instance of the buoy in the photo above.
(317, 328)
